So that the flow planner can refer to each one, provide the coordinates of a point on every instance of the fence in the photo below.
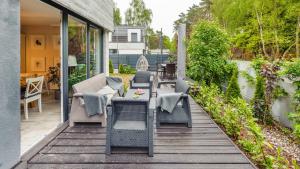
(153, 60)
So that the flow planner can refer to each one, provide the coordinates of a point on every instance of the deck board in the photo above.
(205, 146)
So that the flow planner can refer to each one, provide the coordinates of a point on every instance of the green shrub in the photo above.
(111, 67)
(233, 90)
(237, 119)
(121, 68)
(258, 101)
(208, 50)
(128, 70)
(292, 71)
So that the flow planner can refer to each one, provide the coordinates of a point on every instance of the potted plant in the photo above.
(54, 80)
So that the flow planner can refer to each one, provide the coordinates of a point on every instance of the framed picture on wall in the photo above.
(37, 41)
(56, 42)
(38, 64)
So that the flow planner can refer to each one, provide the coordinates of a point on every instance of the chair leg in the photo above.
(26, 110)
(40, 104)
(71, 123)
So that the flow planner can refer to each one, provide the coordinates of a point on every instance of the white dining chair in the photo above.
(32, 93)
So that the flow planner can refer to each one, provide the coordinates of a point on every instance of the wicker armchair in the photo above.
(129, 124)
(182, 112)
(142, 80)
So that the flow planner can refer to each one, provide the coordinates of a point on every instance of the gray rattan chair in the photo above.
(182, 112)
(142, 80)
(129, 124)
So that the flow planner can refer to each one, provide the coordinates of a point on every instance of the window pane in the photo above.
(94, 52)
(134, 37)
(77, 51)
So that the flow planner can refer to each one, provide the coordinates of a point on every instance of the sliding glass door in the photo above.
(95, 55)
(77, 58)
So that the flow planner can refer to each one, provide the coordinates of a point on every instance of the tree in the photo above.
(233, 90)
(208, 51)
(117, 16)
(154, 40)
(260, 27)
(137, 14)
(206, 6)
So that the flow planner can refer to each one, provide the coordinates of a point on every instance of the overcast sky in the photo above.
(165, 12)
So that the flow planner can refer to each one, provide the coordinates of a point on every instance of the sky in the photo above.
(165, 12)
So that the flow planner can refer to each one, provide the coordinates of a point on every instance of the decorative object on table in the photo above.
(131, 94)
(182, 111)
(129, 124)
(38, 64)
(139, 92)
(142, 80)
(32, 93)
(56, 42)
(142, 64)
(54, 80)
(37, 42)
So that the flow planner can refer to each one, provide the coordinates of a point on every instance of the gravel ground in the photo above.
(280, 139)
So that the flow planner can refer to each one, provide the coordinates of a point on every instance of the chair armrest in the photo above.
(118, 79)
(109, 111)
(165, 82)
(131, 80)
(151, 79)
(78, 95)
(152, 106)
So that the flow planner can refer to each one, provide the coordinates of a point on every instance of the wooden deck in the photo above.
(204, 146)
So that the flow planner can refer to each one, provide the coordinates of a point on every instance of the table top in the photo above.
(131, 94)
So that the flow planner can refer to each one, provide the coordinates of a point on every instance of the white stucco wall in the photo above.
(137, 31)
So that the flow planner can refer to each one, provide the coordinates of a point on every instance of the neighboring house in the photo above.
(158, 51)
(127, 40)
(77, 28)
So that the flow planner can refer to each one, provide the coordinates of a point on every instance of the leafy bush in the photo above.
(111, 67)
(259, 105)
(233, 90)
(121, 68)
(237, 119)
(292, 71)
(126, 69)
(208, 49)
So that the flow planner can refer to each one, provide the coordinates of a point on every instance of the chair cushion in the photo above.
(109, 92)
(140, 85)
(142, 77)
(130, 125)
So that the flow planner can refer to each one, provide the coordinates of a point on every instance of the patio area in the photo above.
(175, 146)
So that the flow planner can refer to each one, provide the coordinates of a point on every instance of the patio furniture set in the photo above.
(129, 120)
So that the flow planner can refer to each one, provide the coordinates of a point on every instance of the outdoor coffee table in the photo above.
(131, 94)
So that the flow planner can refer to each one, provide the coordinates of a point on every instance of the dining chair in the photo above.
(32, 93)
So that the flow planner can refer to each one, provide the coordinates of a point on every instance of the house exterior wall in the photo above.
(9, 83)
(128, 48)
(137, 31)
(97, 11)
